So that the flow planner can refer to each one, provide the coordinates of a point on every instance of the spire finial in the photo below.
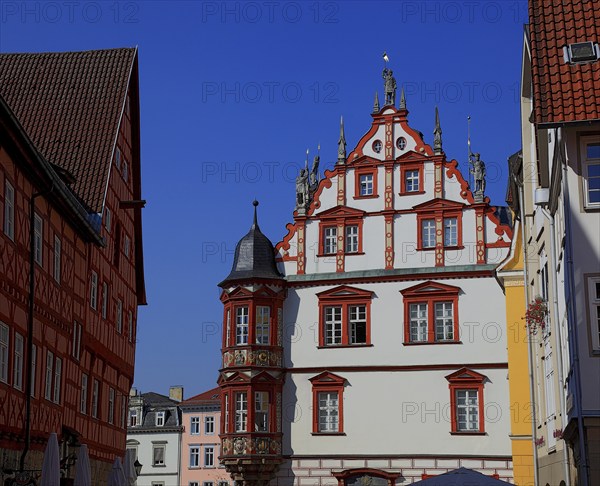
(255, 222)
(437, 134)
(376, 103)
(342, 143)
(306, 161)
(402, 99)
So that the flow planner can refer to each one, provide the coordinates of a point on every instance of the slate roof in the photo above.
(70, 105)
(154, 403)
(563, 92)
(254, 257)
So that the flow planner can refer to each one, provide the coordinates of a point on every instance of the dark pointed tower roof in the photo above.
(254, 257)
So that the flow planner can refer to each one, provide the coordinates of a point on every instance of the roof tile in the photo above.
(70, 104)
(563, 92)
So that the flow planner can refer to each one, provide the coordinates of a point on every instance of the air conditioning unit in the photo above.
(541, 196)
(581, 52)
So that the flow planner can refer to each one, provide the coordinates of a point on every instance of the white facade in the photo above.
(154, 434)
(397, 406)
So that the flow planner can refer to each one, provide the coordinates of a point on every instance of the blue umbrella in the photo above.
(461, 477)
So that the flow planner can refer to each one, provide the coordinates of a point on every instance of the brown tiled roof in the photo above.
(213, 395)
(70, 104)
(563, 92)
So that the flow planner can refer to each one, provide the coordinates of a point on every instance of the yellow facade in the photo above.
(511, 274)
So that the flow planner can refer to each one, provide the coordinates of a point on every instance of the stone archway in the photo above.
(366, 477)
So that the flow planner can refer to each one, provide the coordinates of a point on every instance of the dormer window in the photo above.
(581, 52)
(133, 417)
(160, 419)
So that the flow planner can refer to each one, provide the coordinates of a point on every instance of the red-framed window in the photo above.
(411, 179)
(431, 314)
(466, 401)
(351, 238)
(328, 404)
(249, 406)
(249, 318)
(365, 183)
(344, 317)
(451, 230)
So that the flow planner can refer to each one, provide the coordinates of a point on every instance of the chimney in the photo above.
(176, 393)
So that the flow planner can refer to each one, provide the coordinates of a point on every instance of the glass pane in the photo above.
(593, 151)
(594, 196)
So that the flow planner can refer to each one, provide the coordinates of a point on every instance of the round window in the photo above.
(401, 143)
(377, 146)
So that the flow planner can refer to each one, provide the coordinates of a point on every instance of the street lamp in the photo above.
(138, 467)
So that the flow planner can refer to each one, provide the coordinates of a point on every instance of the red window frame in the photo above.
(336, 224)
(344, 297)
(431, 293)
(361, 172)
(424, 216)
(404, 168)
(245, 298)
(332, 383)
(466, 379)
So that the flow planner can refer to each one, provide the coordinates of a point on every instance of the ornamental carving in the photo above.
(262, 446)
(240, 357)
(239, 445)
(226, 447)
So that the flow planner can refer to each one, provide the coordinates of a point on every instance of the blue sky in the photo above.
(232, 95)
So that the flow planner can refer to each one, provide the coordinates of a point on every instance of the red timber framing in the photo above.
(471, 381)
(345, 300)
(81, 344)
(427, 295)
(329, 384)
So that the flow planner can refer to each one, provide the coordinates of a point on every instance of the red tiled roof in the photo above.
(70, 105)
(563, 92)
(213, 395)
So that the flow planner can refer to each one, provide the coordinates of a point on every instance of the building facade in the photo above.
(71, 256)
(154, 436)
(372, 346)
(510, 273)
(559, 183)
(200, 444)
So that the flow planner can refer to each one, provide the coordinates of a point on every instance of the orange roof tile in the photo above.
(563, 92)
(213, 395)
(70, 105)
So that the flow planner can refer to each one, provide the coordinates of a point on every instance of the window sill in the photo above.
(371, 196)
(424, 343)
(338, 346)
(348, 253)
(411, 193)
(468, 433)
(328, 433)
(158, 465)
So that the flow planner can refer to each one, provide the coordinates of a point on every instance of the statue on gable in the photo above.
(314, 176)
(389, 87)
(302, 189)
(478, 171)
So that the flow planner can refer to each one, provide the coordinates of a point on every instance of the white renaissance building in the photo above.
(369, 346)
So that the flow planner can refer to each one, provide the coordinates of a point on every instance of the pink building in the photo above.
(200, 444)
